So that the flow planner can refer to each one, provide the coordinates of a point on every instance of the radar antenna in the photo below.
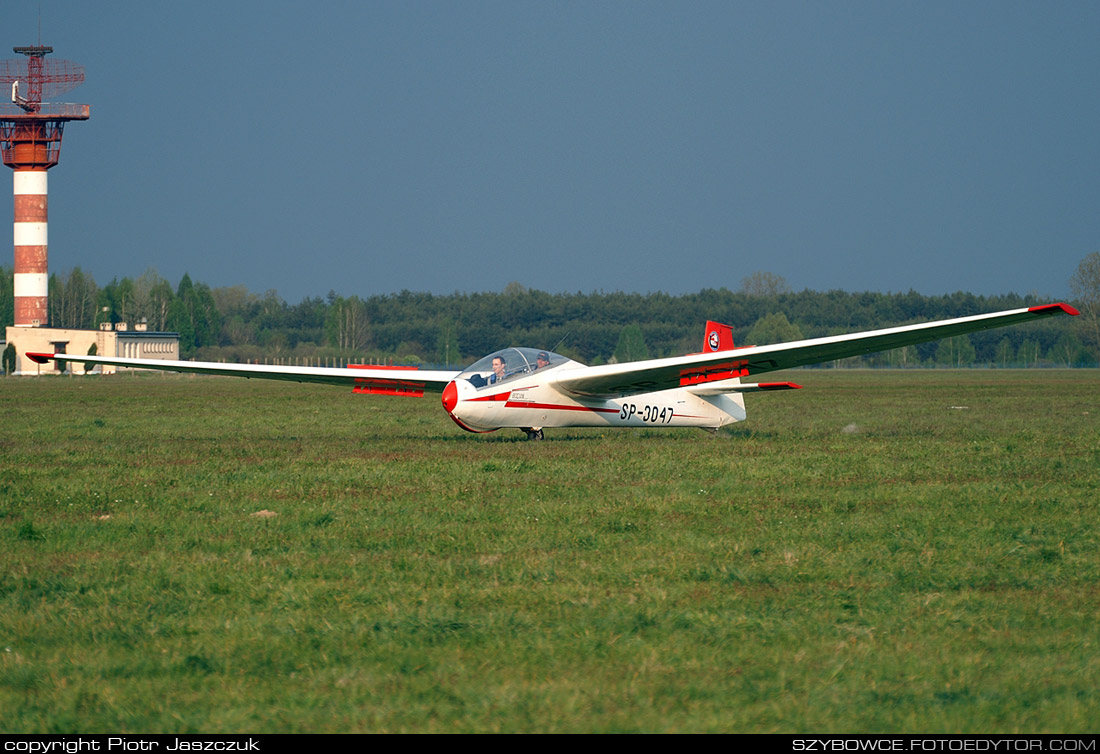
(35, 77)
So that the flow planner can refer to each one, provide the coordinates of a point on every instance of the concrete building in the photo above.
(137, 343)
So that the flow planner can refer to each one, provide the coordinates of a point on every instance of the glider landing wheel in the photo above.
(533, 434)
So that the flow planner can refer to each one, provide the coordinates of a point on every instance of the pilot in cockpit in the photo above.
(498, 370)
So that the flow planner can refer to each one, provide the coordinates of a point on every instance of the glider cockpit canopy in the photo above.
(507, 364)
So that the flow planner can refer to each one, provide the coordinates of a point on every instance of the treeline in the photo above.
(235, 324)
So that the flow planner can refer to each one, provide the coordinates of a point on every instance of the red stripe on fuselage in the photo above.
(508, 403)
(490, 398)
(559, 407)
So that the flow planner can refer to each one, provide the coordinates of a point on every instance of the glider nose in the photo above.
(450, 402)
(450, 397)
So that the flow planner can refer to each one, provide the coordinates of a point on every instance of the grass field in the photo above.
(882, 551)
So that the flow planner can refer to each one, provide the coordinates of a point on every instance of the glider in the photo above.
(530, 389)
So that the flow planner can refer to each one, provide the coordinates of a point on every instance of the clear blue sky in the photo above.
(369, 147)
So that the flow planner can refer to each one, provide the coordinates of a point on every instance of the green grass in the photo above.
(883, 551)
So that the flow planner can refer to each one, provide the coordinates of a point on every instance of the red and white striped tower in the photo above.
(31, 270)
(30, 140)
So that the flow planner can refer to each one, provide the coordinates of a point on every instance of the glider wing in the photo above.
(364, 379)
(701, 369)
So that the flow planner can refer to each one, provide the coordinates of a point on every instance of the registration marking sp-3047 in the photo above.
(647, 413)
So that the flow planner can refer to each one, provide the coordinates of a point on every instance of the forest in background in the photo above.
(235, 324)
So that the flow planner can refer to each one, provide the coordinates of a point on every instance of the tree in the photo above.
(124, 300)
(1004, 352)
(1085, 287)
(907, 356)
(160, 304)
(773, 328)
(233, 301)
(956, 352)
(72, 299)
(346, 325)
(7, 297)
(238, 332)
(1065, 351)
(57, 300)
(93, 349)
(1028, 354)
(144, 307)
(208, 323)
(179, 321)
(631, 345)
(118, 297)
(194, 315)
(447, 350)
(764, 285)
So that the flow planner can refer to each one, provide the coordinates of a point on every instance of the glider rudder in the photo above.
(718, 337)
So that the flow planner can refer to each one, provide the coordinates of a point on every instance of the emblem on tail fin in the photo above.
(719, 337)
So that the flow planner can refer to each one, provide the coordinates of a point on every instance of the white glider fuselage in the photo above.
(535, 399)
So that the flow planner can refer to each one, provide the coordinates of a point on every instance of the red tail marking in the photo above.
(718, 337)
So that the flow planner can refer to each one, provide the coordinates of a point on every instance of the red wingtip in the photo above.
(39, 358)
(1050, 309)
(780, 386)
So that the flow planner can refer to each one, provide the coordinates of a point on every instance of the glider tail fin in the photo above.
(718, 337)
